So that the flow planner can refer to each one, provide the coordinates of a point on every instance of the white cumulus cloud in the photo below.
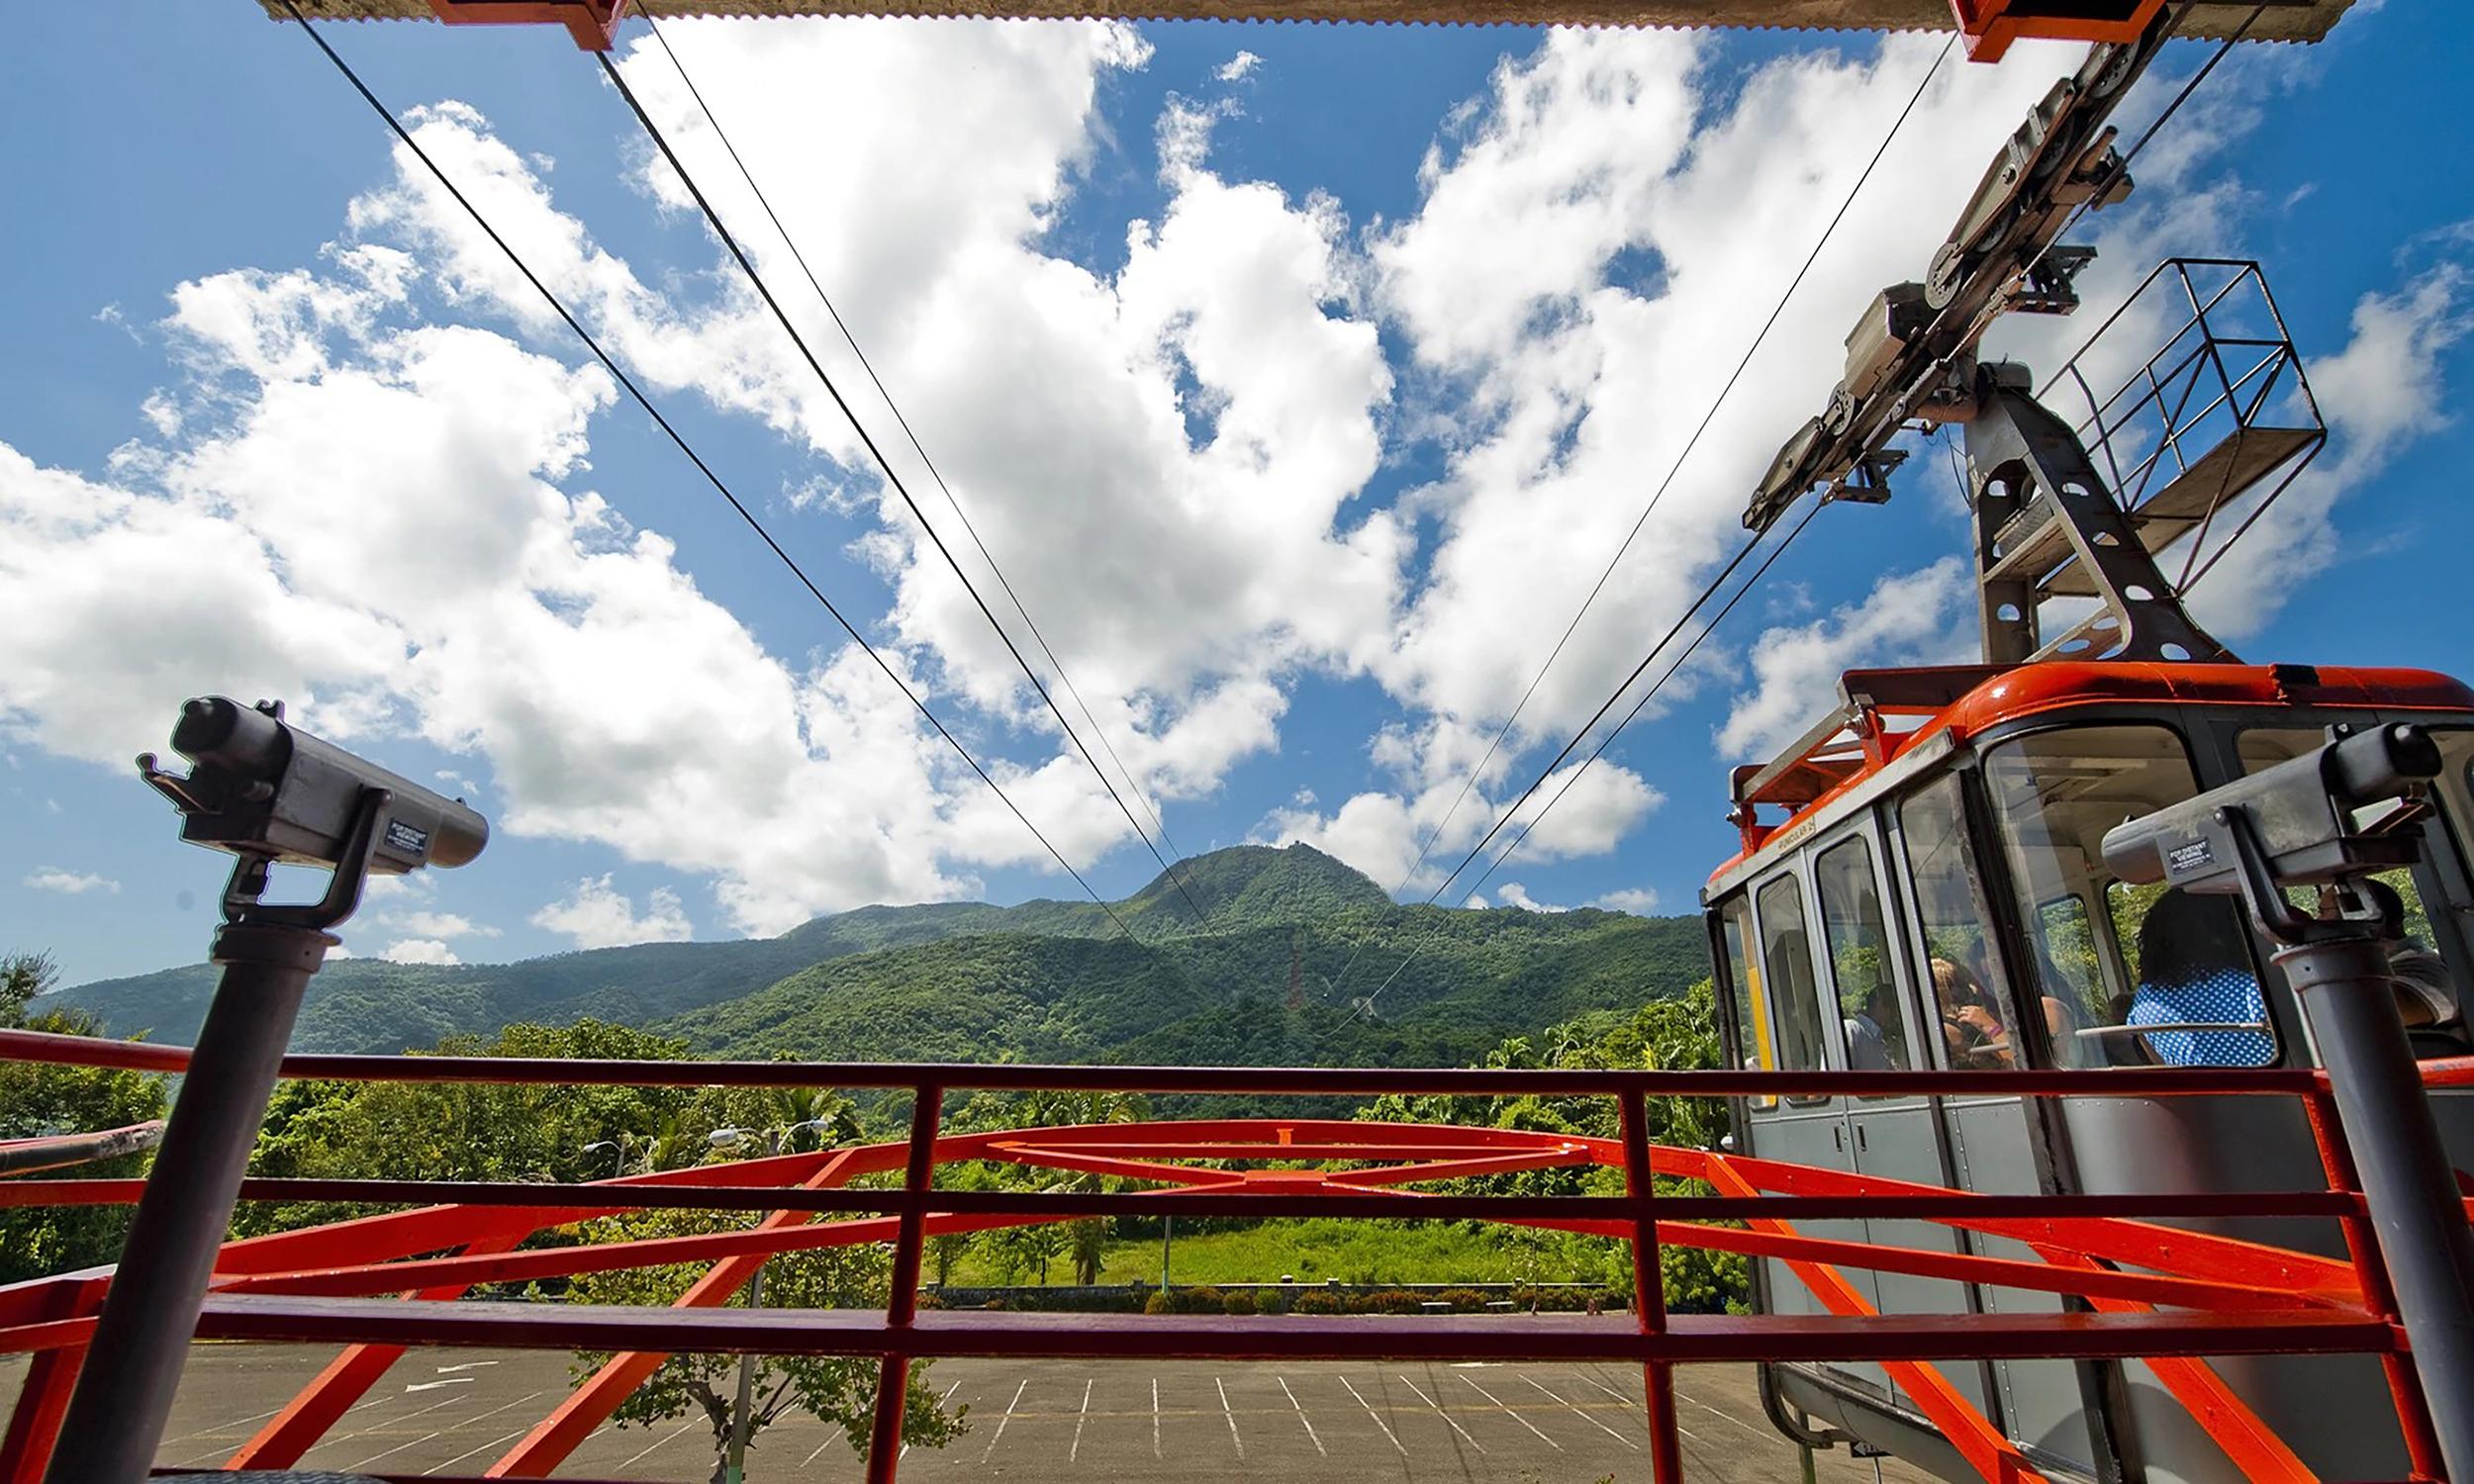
(69, 882)
(1514, 894)
(596, 914)
(1908, 618)
(438, 925)
(1641, 901)
(419, 950)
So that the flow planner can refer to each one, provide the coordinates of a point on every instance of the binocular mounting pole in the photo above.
(2340, 975)
(132, 1368)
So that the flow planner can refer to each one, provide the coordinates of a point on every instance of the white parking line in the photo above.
(1075, 1452)
(464, 1423)
(228, 1447)
(1231, 1413)
(906, 1448)
(1309, 1427)
(664, 1438)
(1642, 1403)
(1155, 1416)
(1446, 1416)
(661, 1440)
(239, 1422)
(1508, 1412)
(1583, 1416)
(1379, 1421)
(1005, 1420)
(485, 1447)
(835, 1436)
(461, 1396)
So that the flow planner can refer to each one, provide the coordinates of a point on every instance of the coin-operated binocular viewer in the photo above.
(2329, 820)
(269, 793)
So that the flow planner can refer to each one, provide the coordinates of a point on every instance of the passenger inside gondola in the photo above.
(2427, 997)
(2199, 1003)
(1970, 1028)
(1872, 1044)
(2065, 1016)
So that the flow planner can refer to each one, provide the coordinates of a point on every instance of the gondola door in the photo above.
(1880, 1030)
(1811, 1131)
(1990, 1138)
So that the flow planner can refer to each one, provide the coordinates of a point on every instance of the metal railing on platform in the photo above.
(2167, 1295)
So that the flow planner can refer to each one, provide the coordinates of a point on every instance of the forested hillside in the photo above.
(1264, 975)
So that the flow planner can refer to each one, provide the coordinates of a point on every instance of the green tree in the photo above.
(37, 1100)
(24, 978)
(1680, 1034)
(561, 1132)
(1086, 1242)
(836, 1390)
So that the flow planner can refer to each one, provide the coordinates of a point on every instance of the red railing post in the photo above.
(35, 1424)
(902, 1305)
(2405, 1386)
(1648, 1287)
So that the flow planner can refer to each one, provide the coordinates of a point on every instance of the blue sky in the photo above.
(1300, 378)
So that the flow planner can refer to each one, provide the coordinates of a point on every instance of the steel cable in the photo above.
(1640, 522)
(890, 406)
(559, 308)
(748, 266)
(1665, 675)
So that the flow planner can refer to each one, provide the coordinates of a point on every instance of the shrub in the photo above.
(1702, 1282)
(1239, 1303)
(930, 1299)
(1463, 1300)
(1158, 1303)
(1315, 1301)
(1197, 1301)
(1386, 1301)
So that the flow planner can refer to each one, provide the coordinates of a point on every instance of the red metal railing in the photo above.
(2166, 1295)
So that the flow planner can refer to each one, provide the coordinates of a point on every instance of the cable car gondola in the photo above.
(1921, 886)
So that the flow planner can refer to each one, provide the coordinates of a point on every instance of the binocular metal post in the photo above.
(2333, 818)
(125, 1390)
(2406, 1179)
(269, 793)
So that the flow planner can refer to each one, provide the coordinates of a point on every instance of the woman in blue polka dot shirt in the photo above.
(2197, 986)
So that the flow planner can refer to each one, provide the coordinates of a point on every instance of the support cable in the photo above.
(1608, 740)
(2120, 169)
(969, 529)
(1642, 520)
(755, 279)
(559, 308)
(1708, 592)
(1613, 698)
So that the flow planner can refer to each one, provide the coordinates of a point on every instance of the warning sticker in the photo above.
(2183, 860)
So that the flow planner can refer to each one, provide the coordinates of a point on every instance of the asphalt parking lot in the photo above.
(455, 1412)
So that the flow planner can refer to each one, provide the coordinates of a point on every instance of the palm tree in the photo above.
(1086, 1240)
(812, 1112)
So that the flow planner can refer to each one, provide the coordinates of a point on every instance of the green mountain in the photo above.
(1298, 959)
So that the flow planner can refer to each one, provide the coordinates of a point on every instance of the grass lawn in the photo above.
(1354, 1251)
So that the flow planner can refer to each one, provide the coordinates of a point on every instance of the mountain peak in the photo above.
(1249, 885)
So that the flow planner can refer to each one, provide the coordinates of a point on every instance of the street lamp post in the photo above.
(734, 1461)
